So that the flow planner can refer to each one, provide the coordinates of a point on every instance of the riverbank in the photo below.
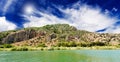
(60, 48)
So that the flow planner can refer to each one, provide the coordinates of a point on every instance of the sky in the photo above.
(92, 15)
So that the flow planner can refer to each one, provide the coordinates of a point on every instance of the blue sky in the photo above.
(91, 15)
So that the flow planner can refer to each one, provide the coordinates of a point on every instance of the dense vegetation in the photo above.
(6, 46)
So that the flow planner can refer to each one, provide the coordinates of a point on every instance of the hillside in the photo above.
(57, 35)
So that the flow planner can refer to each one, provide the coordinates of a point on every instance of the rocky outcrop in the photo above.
(103, 37)
(20, 36)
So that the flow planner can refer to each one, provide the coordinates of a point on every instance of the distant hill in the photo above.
(57, 35)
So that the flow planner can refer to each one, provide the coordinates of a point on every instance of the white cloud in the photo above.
(6, 25)
(112, 29)
(107, 11)
(7, 4)
(90, 19)
(46, 19)
(117, 30)
(115, 9)
(85, 18)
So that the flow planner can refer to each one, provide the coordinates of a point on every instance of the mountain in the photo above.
(57, 35)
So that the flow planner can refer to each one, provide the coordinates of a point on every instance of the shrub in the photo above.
(42, 45)
(20, 49)
(66, 44)
(1, 46)
(98, 44)
(72, 44)
(6, 46)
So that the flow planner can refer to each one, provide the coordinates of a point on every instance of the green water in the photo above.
(61, 56)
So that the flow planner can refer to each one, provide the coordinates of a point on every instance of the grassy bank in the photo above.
(60, 48)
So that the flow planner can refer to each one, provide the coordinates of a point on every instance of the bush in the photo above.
(72, 44)
(20, 49)
(1, 46)
(80, 44)
(6, 46)
(83, 44)
(42, 45)
(63, 44)
(89, 44)
(66, 44)
(98, 44)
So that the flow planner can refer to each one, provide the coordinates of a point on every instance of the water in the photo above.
(61, 56)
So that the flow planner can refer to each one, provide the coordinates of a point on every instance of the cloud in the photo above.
(8, 3)
(117, 30)
(90, 19)
(114, 9)
(112, 29)
(6, 25)
(83, 18)
(44, 20)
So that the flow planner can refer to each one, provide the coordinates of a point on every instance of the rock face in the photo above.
(103, 37)
(20, 36)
